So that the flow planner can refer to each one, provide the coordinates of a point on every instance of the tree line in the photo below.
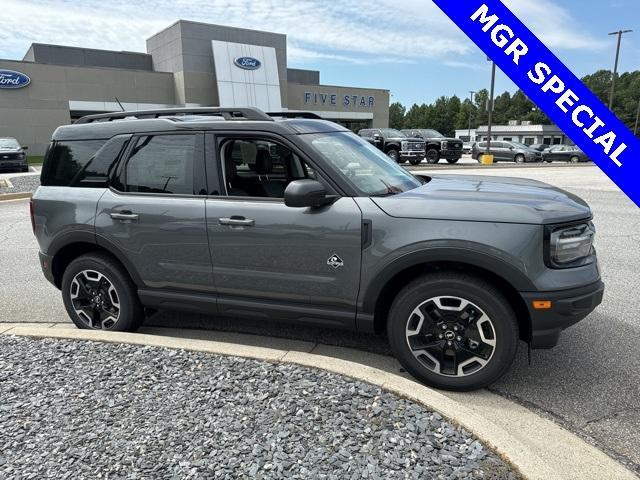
(448, 114)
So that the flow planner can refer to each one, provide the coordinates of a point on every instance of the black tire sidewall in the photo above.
(574, 159)
(415, 161)
(394, 155)
(436, 158)
(453, 160)
(131, 312)
(477, 292)
(519, 158)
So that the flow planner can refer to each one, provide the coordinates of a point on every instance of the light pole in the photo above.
(635, 129)
(619, 33)
(490, 106)
(470, 111)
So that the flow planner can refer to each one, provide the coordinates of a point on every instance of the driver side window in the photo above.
(260, 168)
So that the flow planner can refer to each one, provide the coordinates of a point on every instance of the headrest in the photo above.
(264, 163)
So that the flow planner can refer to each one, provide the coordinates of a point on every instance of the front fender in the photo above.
(497, 262)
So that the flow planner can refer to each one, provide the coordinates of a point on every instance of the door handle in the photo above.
(237, 222)
(124, 216)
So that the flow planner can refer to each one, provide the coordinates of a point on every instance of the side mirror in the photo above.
(306, 193)
(25, 148)
(377, 137)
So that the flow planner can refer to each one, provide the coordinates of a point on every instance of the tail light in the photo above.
(32, 215)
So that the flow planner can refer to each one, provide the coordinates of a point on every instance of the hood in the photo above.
(11, 149)
(486, 199)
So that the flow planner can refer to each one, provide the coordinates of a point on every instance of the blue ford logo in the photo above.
(12, 79)
(247, 63)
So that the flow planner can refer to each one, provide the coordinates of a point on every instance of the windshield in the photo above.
(366, 167)
(392, 132)
(9, 143)
(521, 145)
(431, 134)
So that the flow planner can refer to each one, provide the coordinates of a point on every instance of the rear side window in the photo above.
(65, 160)
(162, 164)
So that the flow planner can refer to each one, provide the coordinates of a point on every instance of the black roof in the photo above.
(107, 125)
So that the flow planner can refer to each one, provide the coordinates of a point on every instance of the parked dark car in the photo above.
(12, 155)
(564, 153)
(437, 145)
(507, 152)
(395, 144)
(161, 209)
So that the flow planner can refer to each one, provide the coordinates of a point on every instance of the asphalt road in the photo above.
(590, 382)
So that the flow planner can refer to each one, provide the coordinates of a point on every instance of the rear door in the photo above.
(154, 212)
(270, 260)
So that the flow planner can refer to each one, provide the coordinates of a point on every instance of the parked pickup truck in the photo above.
(437, 145)
(395, 144)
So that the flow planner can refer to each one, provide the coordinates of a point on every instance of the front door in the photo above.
(153, 214)
(269, 260)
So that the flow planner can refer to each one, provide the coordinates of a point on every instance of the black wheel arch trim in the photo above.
(476, 258)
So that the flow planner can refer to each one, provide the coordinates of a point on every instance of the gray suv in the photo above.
(504, 151)
(237, 213)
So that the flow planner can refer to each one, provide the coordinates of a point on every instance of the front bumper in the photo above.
(451, 154)
(568, 307)
(412, 154)
(13, 164)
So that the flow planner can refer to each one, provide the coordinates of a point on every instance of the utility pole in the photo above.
(471, 98)
(490, 106)
(635, 129)
(619, 33)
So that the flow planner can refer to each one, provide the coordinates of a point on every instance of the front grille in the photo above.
(10, 156)
(415, 146)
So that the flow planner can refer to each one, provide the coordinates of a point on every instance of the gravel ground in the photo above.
(25, 183)
(90, 410)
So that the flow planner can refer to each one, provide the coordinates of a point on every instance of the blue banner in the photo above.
(552, 87)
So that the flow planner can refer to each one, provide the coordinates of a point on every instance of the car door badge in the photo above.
(335, 261)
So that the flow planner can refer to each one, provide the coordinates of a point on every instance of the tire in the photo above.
(519, 158)
(24, 169)
(472, 372)
(433, 156)
(394, 155)
(452, 160)
(101, 276)
(575, 159)
(415, 161)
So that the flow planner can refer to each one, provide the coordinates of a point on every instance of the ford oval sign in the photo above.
(247, 63)
(12, 79)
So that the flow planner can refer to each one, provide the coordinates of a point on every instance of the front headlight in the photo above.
(445, 145)
(404, 145)
(571, 246)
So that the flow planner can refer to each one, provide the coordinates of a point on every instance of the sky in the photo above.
(406, 46)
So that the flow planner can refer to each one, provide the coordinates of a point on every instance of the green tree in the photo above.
(396, 115)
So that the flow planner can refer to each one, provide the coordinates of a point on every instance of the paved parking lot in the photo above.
(589, 383)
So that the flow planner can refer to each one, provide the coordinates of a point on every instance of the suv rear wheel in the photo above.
(98, 294)
(453, 331)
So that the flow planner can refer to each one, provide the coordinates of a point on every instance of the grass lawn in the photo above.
(35, 160)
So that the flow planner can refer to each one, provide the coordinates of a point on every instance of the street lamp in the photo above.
(619, 33)
(470, 112)
(490, 106)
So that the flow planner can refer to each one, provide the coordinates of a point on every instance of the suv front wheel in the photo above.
(98, 294)
(453, 331)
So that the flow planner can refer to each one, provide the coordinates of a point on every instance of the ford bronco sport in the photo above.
(237, 213)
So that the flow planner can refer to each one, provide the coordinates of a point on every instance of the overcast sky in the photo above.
(406, 46)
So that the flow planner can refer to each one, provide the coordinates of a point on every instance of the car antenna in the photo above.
(121, 107)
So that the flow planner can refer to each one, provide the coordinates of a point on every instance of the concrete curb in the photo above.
(537, 447)
(14, 196)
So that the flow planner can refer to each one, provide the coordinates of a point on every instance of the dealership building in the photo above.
(188, 64)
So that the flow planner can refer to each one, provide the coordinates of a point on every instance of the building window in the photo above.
(529, 140)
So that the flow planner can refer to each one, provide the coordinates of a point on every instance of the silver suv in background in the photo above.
(238, 213)
(13, 155)
(504, 151)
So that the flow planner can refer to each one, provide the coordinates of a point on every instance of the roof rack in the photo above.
(226, 113)
(290, 114)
